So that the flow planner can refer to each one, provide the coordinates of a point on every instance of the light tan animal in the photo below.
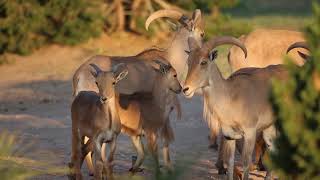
(94, 115)
(265, 47)
(260, 146)
(193, 27)
(240, 102)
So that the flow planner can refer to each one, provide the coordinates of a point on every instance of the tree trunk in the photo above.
(215, 12)
(120, 16)
(134, 9)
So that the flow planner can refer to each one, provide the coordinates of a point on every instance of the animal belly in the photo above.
(130, 118)
(153, 117)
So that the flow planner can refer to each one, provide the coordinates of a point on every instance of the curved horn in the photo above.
(163, 13)
(298, 45)
(217, 41)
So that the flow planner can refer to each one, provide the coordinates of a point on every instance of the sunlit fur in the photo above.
(240, 102)
(265, 47)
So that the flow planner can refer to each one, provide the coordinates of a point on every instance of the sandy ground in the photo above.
(35, 98)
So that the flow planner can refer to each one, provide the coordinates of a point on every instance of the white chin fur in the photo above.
(189, 95)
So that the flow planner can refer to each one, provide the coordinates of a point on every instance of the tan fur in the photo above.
(155, 110)
(240, 102)
(211, 119)
(266, 47)
(130, 117)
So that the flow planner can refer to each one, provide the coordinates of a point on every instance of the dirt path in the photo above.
(35, 95)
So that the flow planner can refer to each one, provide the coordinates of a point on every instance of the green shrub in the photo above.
(225, 25)
(20, 22)
(205, 5)
(71, 22)
(297, 107)
(28, 24)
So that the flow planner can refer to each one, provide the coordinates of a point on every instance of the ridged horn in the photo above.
(163, 13)
(298, 45)
(217, 41)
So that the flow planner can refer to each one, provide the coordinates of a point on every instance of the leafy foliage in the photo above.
(20, 23)
(225, 25)
(204, 5)
(71, 22)
(297, 107)
(28, 24)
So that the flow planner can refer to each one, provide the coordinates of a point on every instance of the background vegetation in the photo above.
(29, 24)
(297, 108)
(14, 166)
(26, 25)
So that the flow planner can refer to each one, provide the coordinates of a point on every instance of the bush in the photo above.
(296, 105)
(20, 23)
(225, 25)
(28, 24)
(71, 22)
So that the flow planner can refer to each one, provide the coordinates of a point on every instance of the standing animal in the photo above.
(265, 47)
(240, 102)
(260, 147)
(141, 77)
(94, 115)
(149, 115)
(155, 109)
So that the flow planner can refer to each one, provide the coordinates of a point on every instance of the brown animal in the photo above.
(94, 115)
(240, 102)
(140, 79)
(148, 113)
(141, 75)
(265, 47)
(154, 116)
